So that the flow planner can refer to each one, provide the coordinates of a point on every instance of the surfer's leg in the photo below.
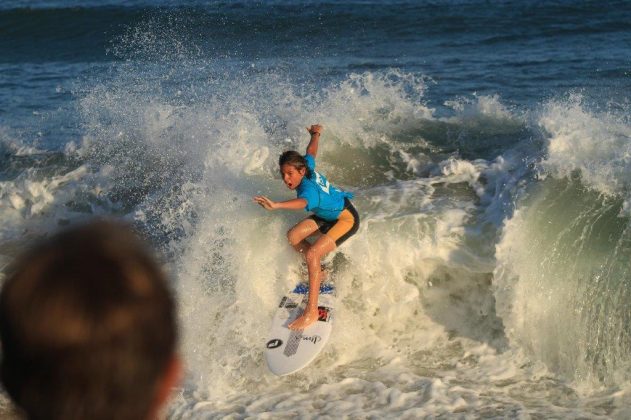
(298, 234)
(314, 255)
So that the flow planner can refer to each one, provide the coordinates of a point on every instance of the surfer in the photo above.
(334, 216)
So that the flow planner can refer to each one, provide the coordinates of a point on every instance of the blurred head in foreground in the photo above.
(87, 328)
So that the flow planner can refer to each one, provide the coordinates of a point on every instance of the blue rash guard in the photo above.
(323, 199)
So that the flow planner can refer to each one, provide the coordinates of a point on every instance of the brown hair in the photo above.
(87, 326)
(295, 159)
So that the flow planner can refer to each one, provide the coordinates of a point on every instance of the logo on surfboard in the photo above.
(303, 289)
(315, 339)
(274, 343)
(323, 313)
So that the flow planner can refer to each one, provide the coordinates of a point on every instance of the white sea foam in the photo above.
(408, 282)
(595, 144)
(36, 202)
(491, 107)
(416, 331)
(368, 108)
(231, 261)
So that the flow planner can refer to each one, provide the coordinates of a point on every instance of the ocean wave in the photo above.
(594, 145)
(562, 282)
(561, 277)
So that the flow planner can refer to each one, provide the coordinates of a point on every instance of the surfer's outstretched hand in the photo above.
(265, 202)
(308, 317)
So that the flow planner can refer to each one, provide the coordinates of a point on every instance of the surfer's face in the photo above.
(291, 175)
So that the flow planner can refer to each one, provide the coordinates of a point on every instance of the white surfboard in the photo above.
(288, 351)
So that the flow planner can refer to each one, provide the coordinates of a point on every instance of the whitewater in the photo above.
(490, 275)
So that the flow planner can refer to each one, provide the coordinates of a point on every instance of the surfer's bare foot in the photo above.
(306, 319)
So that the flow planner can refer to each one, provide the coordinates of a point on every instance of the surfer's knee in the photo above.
(293, 238)
(313, 254)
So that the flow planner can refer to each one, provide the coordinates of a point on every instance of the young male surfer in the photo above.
(334, 216)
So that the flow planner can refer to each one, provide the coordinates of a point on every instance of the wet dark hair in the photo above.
(295, 159)
(87, 326)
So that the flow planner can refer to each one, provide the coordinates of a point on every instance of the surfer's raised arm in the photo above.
(315, 130)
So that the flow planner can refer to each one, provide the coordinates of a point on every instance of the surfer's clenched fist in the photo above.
(315, 128)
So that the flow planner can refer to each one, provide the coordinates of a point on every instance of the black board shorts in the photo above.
(341, 229)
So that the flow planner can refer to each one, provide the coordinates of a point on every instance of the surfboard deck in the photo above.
(288, 351)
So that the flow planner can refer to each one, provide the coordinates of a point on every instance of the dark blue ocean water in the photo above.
(523, 51)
